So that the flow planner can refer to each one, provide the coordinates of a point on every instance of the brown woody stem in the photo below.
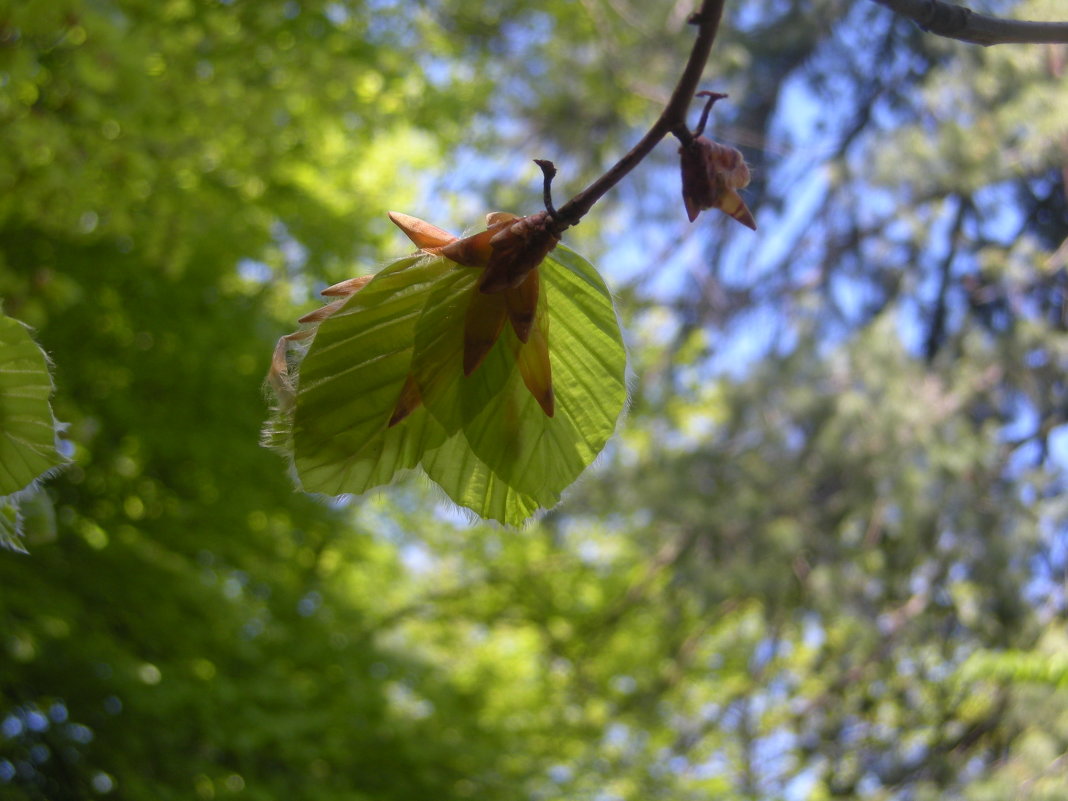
(957, 22)
(672, 118)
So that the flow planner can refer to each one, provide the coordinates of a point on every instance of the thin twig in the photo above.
(671, 118)
(712, 98)
(548, 170)
(937, 331)
(958, 22)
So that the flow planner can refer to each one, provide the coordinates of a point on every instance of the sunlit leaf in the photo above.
(351, 380)
(388, 379)
(27, 427)
(469, 482)
(503, 421)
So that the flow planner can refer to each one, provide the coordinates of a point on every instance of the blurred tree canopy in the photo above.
(825, 555)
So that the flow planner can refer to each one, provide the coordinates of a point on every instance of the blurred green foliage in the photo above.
(826, 555)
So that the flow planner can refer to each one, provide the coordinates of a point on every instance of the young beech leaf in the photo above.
(345, 382)
(27, 427)
(504, 409)
(469, 482)
(349, 384)
(418, 366)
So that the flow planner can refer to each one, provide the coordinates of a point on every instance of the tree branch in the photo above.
(672, 118)
(937, 332)
(958, 22)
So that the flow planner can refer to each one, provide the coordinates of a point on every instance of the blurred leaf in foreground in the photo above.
(27, 427)
(496, 368)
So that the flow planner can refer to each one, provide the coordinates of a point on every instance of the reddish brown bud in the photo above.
(347, 287)
(425, 236)
(522, 304)
(485, 319)
(535, 365)
(711, 175)
(509, 251)
(517, 248)
(474, 250)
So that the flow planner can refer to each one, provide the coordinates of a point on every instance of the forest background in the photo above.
(825, 554)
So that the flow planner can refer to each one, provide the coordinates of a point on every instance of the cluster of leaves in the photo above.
(417, 367)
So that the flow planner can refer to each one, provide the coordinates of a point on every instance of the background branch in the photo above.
(958, 22)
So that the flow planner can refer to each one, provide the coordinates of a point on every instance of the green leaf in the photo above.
(470, 483)
(483, 438)
(350, 380)
(27, 427)
(537, 455)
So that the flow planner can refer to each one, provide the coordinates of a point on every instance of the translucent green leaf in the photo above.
(351, 379)
(349, 382)
(469, 482)
(27, 427)
(484, 439)
(504, 425)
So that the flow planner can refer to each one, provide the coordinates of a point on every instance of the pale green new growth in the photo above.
(505, 427)
(350, 380)
(483, 438)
